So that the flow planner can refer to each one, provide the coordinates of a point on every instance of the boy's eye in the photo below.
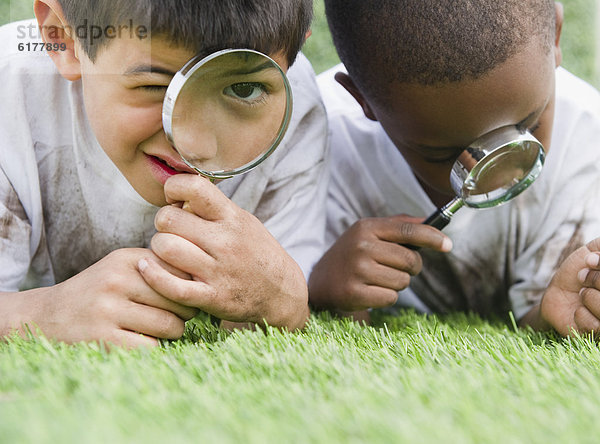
(248, 92)
(153, 87)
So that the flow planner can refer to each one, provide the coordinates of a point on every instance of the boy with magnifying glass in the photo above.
(422, 80)
(85, 166)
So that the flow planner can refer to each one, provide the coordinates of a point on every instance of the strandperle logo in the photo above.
(84, 31)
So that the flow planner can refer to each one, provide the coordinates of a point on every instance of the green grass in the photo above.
(407, 379)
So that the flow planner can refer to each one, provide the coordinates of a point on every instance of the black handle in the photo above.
(438, 219)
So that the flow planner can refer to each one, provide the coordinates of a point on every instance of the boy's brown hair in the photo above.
(202, 26)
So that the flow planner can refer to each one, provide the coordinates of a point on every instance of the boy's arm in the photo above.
(107, 302)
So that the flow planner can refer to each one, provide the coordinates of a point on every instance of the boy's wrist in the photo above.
(294, 312)
(18, 312)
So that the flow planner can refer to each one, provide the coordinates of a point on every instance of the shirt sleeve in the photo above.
(15, 235)
(293, 205)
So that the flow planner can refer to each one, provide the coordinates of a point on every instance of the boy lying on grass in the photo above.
(422, 80)
(85, 168)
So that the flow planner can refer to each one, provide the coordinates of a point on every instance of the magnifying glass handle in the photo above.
(438, 220)
(443, 215)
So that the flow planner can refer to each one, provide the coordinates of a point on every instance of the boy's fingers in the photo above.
(589, 278)
(132, 339)
(185, 292)
(594, 245)
(189, 226)
(151, 298)
(379, 297)
(591, 300)
(181, 254)
(204, 198)
(398, 257)
(586, 321)
(405, 231)
(124, 338)
(592, 260)
(153, 322)
(381, 276)
(161, 303)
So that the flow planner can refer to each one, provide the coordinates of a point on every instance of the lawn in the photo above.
(408, 378)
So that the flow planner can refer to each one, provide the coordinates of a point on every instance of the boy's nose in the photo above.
(197, 144)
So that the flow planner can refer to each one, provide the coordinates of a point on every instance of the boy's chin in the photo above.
(155, 198)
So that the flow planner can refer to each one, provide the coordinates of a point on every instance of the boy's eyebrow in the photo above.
(255, 69)
(148, 69)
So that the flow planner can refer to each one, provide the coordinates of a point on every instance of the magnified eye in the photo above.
(248, 92)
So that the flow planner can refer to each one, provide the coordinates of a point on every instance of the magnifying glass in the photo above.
(226, 113)
(495, 168)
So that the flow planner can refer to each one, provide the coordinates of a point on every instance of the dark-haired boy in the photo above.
(85, 166)
(425, 79)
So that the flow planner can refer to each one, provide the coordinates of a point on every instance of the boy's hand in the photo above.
(572, 300)
(369, 263)
(109, 301)
(240, 272)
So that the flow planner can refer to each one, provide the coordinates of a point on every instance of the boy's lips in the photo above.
(164, 167)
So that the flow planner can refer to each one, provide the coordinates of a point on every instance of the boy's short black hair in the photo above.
(432, 42)
(203, 26)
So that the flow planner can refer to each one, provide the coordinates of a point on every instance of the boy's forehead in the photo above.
(512, 92)
(125, 55)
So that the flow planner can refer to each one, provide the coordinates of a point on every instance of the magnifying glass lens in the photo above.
(504, 169)
(494, 169)
(226, 113)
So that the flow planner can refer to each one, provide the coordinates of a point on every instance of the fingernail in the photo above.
(142, 265)
(447, 245)
(582, 275)
(592, 260)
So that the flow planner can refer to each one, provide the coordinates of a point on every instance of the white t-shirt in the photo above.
(64, 205)
(503, 258)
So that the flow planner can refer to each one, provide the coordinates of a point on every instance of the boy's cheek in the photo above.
(125, 129)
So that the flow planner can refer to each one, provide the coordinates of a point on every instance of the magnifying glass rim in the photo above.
(501, 195)
(175, 87)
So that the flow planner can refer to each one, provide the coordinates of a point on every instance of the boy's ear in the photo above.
(560, 16)
(55, 30)
(346, 81)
